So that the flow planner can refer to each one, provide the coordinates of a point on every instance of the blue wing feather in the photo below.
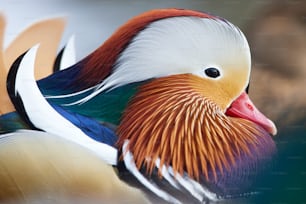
(107, 106)
(89, 126)
(61, 82)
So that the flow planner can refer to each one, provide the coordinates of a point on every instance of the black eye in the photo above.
(212, 72)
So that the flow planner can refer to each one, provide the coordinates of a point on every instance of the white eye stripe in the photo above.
(178, 45)
(204, 41)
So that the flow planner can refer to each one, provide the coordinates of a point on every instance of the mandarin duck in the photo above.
(165, 100)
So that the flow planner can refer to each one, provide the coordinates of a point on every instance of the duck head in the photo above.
(192, 112)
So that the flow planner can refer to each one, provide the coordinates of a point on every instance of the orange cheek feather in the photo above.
(169, 118)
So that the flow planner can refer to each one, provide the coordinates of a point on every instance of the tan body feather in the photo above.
(38, 167)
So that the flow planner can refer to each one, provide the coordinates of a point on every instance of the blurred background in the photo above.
(93, 21)
(276, 31)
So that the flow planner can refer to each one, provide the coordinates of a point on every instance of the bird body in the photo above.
(38, 167)
(166, 92)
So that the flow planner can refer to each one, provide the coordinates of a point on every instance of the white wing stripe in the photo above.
(195, 189)
(130, 165)
(44, 117)
(166, 175)
(69, 56)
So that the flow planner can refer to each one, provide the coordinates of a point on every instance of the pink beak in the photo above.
(244, 108)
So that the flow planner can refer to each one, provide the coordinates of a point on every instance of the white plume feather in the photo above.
(44, 117)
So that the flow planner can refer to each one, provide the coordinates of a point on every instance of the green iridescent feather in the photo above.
(11, 122)
(107, 106)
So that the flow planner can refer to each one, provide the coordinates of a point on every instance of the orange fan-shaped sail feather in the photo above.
(47, 33)
(5, 103)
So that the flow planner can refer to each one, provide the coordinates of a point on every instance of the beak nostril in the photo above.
(250, 107)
